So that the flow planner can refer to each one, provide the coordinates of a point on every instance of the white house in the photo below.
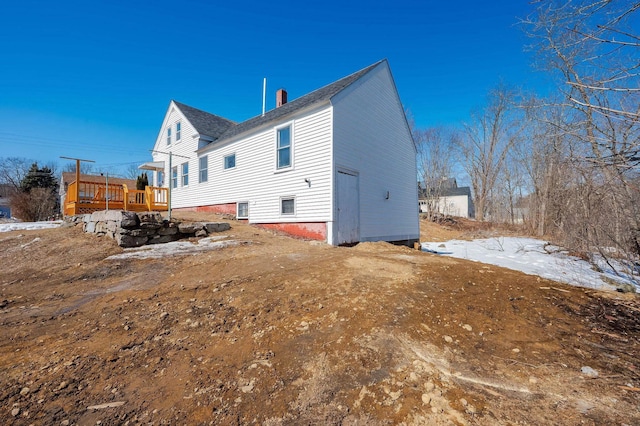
(450, 200)
(337, 164)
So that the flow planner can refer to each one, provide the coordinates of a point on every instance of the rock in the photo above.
(395, 395)
(626, 288)
(201, 233)
(107, 405)
(168, 228)
(64, 423)
(162, 239)
(467, 327)
(589, 372)
(216, 226)
(90, 227)
(515, 350)
(190, 228)
(25, 391)
(248, 388)
(448, 339)
(426, 398)
(152, 220)
(139, 232)
(429, 386)
(15, 412)
(129, 241)
(129, 219)
(63, 385)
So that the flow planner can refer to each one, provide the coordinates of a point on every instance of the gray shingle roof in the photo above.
(220, 128)
(205, 124)
(446, 192)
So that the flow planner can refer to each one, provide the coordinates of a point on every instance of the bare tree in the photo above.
(485, 144)
(85, 167)
(436, 161)
(592, 47)
(13, 170)
(132, 172)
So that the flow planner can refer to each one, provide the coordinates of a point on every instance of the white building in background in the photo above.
(449, 200)
(337, 164)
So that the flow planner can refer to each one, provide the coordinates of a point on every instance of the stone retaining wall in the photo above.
(131, 229)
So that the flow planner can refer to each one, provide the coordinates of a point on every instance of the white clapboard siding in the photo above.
(255, 178)
(182, 150)
(371, 137)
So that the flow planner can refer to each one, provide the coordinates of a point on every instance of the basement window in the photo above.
(242, 211)
(288, 206)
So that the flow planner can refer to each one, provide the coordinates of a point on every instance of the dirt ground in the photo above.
(280, 331)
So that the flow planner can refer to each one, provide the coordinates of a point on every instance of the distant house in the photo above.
(337, 164)
(5, 203)
(449, 199)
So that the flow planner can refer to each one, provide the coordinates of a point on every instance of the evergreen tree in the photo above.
(38, 178)
(38, 196)
(142, 182)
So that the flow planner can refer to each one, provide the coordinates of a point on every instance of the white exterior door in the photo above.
(348, 208)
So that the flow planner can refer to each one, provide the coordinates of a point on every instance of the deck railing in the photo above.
(95, 196)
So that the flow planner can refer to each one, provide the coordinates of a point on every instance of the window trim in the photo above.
(174, 177)
(178, 131)
(205, 169)
(287, 198)
(184, 177)
(224, 161)
(238, 210)
(277, 130)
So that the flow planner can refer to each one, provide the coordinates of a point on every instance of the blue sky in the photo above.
(93, 79)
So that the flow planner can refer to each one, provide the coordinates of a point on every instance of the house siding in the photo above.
(255, 178)
(372, 138)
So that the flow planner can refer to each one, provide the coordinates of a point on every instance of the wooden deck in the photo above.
(89, 197)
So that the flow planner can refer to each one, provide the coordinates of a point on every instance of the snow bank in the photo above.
(531, 256)
(20, 226)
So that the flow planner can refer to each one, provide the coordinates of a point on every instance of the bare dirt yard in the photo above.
(280, 331)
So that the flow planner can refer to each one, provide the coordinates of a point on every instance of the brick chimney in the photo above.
(281, 97)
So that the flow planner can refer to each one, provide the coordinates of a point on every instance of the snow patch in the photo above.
(531, 256)
(176, 248)
(27, 226)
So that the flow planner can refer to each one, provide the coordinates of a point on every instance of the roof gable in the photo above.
(206, 124)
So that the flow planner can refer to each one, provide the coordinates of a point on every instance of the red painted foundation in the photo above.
(310, 230)
(229, 208)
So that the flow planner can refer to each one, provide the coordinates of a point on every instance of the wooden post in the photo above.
(77, 160)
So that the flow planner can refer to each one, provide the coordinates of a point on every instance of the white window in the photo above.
(288, 206)
(243, 211)
(174, 177)
(283, 136)
(204, 169)
(230, 161)
(178, 131)
(185, 174)
(168, 135)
